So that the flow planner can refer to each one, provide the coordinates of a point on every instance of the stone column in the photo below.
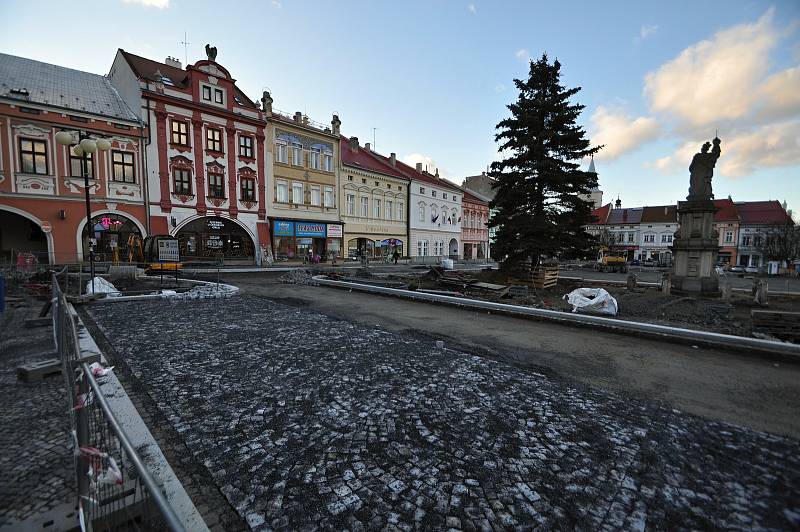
(695, 249)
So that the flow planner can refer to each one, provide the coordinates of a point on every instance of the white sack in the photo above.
(447, 264)
(101, 286)
(592, 300)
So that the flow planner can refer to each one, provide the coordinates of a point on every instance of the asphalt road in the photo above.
(736, 387)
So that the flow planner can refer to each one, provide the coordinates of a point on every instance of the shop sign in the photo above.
(214, 242)
(216, 224)
(309, 229)
(168, 250)
(283, 228)
(334, 231)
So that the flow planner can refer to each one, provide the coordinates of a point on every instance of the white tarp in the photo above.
(447, 264)
(592, 300)
(101, 286)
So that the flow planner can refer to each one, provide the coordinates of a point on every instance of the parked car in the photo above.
(751, 269)
(635, 262)
(737, 269)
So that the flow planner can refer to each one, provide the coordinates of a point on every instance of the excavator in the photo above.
(611, 261)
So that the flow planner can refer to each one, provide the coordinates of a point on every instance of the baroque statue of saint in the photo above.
(702, 170)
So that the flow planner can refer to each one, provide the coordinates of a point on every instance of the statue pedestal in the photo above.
(694, 250)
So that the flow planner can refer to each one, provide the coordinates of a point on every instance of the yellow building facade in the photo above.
(303, 189)
(374, 205)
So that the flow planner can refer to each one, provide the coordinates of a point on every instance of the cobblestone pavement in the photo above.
(36, 472)
(305, 422)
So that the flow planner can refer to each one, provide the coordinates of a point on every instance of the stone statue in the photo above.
(211, 52)
(702, 170)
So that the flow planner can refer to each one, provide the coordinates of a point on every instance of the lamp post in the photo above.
(85, 145)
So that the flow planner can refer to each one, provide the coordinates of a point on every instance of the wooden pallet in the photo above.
(778, 323)
(37, 371)
(545, 277)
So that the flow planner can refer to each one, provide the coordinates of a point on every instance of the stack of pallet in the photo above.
(545, 276)
(780, 324)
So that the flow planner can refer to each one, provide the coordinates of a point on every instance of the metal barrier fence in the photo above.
(115, 489)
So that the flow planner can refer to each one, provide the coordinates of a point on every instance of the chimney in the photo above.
(437, 172)
(393, 159)
(298, 117)
(666, 210)
(336, 124)
(354, 144)
(367, 146)
(266, 101)
(173, 62)
(419, 167)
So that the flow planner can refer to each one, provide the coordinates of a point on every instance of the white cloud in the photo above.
(160, 4)
(276, 4)
(779, 95)
(715, 80)
(768, 146)
(500, 88)
(743, 153)
(726, 83)
(413, 158)
(645, 31)
(619, 132)
(472, 9)
(523, 55)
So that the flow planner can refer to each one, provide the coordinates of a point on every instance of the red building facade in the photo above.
(205, 154)
(42, 188)
(474, 228)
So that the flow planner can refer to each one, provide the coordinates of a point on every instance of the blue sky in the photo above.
(434, 77)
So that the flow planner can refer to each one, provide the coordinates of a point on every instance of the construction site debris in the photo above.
(595, 300)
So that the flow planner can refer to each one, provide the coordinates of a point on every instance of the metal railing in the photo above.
(115, 489)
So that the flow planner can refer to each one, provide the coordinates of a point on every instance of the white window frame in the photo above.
(281, 152)
(314, 158)
(328, 198)
(297, 154)
(421, 212)
(400, 211)
(376, 208)
(297, 190)
(327, 161)
(389, 207)
(351, 204)
(364, 210)
(315, 195)
(282, 191)
(422, 248)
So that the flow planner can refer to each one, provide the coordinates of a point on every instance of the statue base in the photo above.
(695, 249)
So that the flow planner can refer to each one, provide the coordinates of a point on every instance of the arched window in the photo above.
(421, 211)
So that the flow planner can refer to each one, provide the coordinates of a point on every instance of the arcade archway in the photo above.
(21, 235)
(212, 237)
(117, 238)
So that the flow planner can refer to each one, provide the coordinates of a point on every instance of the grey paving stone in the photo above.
(277, 400)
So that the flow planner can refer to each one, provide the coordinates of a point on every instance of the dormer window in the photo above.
(207, 93)
(212, 95)
(218, 97)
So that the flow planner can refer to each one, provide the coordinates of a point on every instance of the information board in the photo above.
(168, 250)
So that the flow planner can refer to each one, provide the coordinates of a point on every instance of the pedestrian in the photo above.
(396, 255)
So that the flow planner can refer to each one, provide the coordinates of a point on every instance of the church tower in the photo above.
(595, 197)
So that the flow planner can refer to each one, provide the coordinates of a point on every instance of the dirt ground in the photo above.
(647, 305)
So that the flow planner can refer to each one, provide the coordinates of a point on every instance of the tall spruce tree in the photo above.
(538, 213)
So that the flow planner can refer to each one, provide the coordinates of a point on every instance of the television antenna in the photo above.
(185, 44)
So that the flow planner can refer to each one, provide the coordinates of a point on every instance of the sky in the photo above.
(429, 80)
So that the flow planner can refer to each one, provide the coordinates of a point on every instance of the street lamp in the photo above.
(85, 145)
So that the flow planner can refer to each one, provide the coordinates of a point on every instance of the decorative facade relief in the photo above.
(31, 131)
(36, 184)
(118, 189)
(77, 184)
